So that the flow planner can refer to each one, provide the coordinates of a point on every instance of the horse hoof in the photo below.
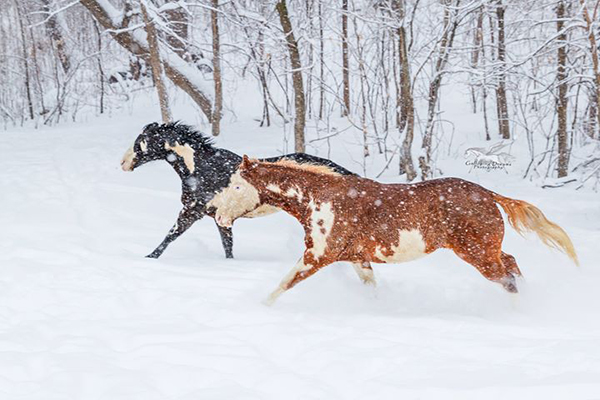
(229, 256)
(153, 255)
(370, 282)
(510, 288)
(509, 283)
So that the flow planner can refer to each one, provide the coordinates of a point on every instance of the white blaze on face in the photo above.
(144, 146)
(235, 200)
(410, 247)
(128, 159)
(184, 151)
(321, 223)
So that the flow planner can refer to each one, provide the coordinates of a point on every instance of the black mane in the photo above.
(177, 130)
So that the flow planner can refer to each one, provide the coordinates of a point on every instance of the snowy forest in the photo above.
(529, 70)
(411, 151)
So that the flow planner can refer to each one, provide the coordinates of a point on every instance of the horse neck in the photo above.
(180, 167)
(181, 170)
(289, 190)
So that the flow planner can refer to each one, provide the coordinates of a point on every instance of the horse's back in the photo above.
(303, 158)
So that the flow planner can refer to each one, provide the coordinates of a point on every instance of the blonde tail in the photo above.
(524, 217)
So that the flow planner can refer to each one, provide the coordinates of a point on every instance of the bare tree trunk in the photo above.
(396, 68)
(345, 60)
(363, 95)
(450, 25)
(100, 69)
(179, 20)
(292, 45)
(25, 61)
(55, 34)
(216, 116)
(385, 86)
(37, 85)
(477, 49)
(407, 114)
(155, 64)
(261, 61)
(311, 52)
(262, 76)
(321, 62)
(484, 91)
(562, 101)
(118, 30)
(593, 123)
(503, 121)
(405, 102)
(594, 52)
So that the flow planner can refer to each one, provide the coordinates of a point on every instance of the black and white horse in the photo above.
(204, 171)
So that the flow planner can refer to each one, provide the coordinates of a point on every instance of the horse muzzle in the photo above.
(128, 161)
(126, 165)
(225, 222)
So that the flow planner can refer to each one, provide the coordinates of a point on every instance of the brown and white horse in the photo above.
(348, 218)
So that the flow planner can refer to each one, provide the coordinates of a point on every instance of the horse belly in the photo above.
(410, 246)
(262, 211)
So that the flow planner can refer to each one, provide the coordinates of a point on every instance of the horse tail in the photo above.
(525, 217)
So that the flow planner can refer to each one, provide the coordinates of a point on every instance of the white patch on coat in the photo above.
(235, 200)
(320, 232)
(261, 211)
(294, 192)
(273, 188)
(184, 151)
(144, 146)
(128, 159)
(410, 247)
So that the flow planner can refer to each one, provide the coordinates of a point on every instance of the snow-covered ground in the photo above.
(83, 315)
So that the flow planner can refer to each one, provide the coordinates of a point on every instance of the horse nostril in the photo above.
(222, 221)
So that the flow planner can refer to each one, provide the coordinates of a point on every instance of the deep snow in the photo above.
(83, 315)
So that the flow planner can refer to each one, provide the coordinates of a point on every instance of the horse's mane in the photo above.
(314, 168)
(182, 131)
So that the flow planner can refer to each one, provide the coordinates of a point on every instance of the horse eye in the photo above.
(238, 187)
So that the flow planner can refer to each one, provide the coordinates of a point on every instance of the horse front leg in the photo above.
(226, 239)
(300, 272)
(186, 218)
(365, 272)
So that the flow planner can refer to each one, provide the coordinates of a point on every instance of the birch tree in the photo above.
(296, 65)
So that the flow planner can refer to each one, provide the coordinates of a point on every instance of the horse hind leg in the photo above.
(488, 262)
(365, 272)
(510, 264)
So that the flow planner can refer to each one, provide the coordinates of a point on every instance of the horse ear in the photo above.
(248, 163)
(150, 127)
(245, 162)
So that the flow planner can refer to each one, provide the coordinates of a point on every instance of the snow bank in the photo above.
(83, 315)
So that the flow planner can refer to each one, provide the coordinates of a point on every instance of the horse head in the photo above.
(148, 146)
(171, 142)
(237, 199)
